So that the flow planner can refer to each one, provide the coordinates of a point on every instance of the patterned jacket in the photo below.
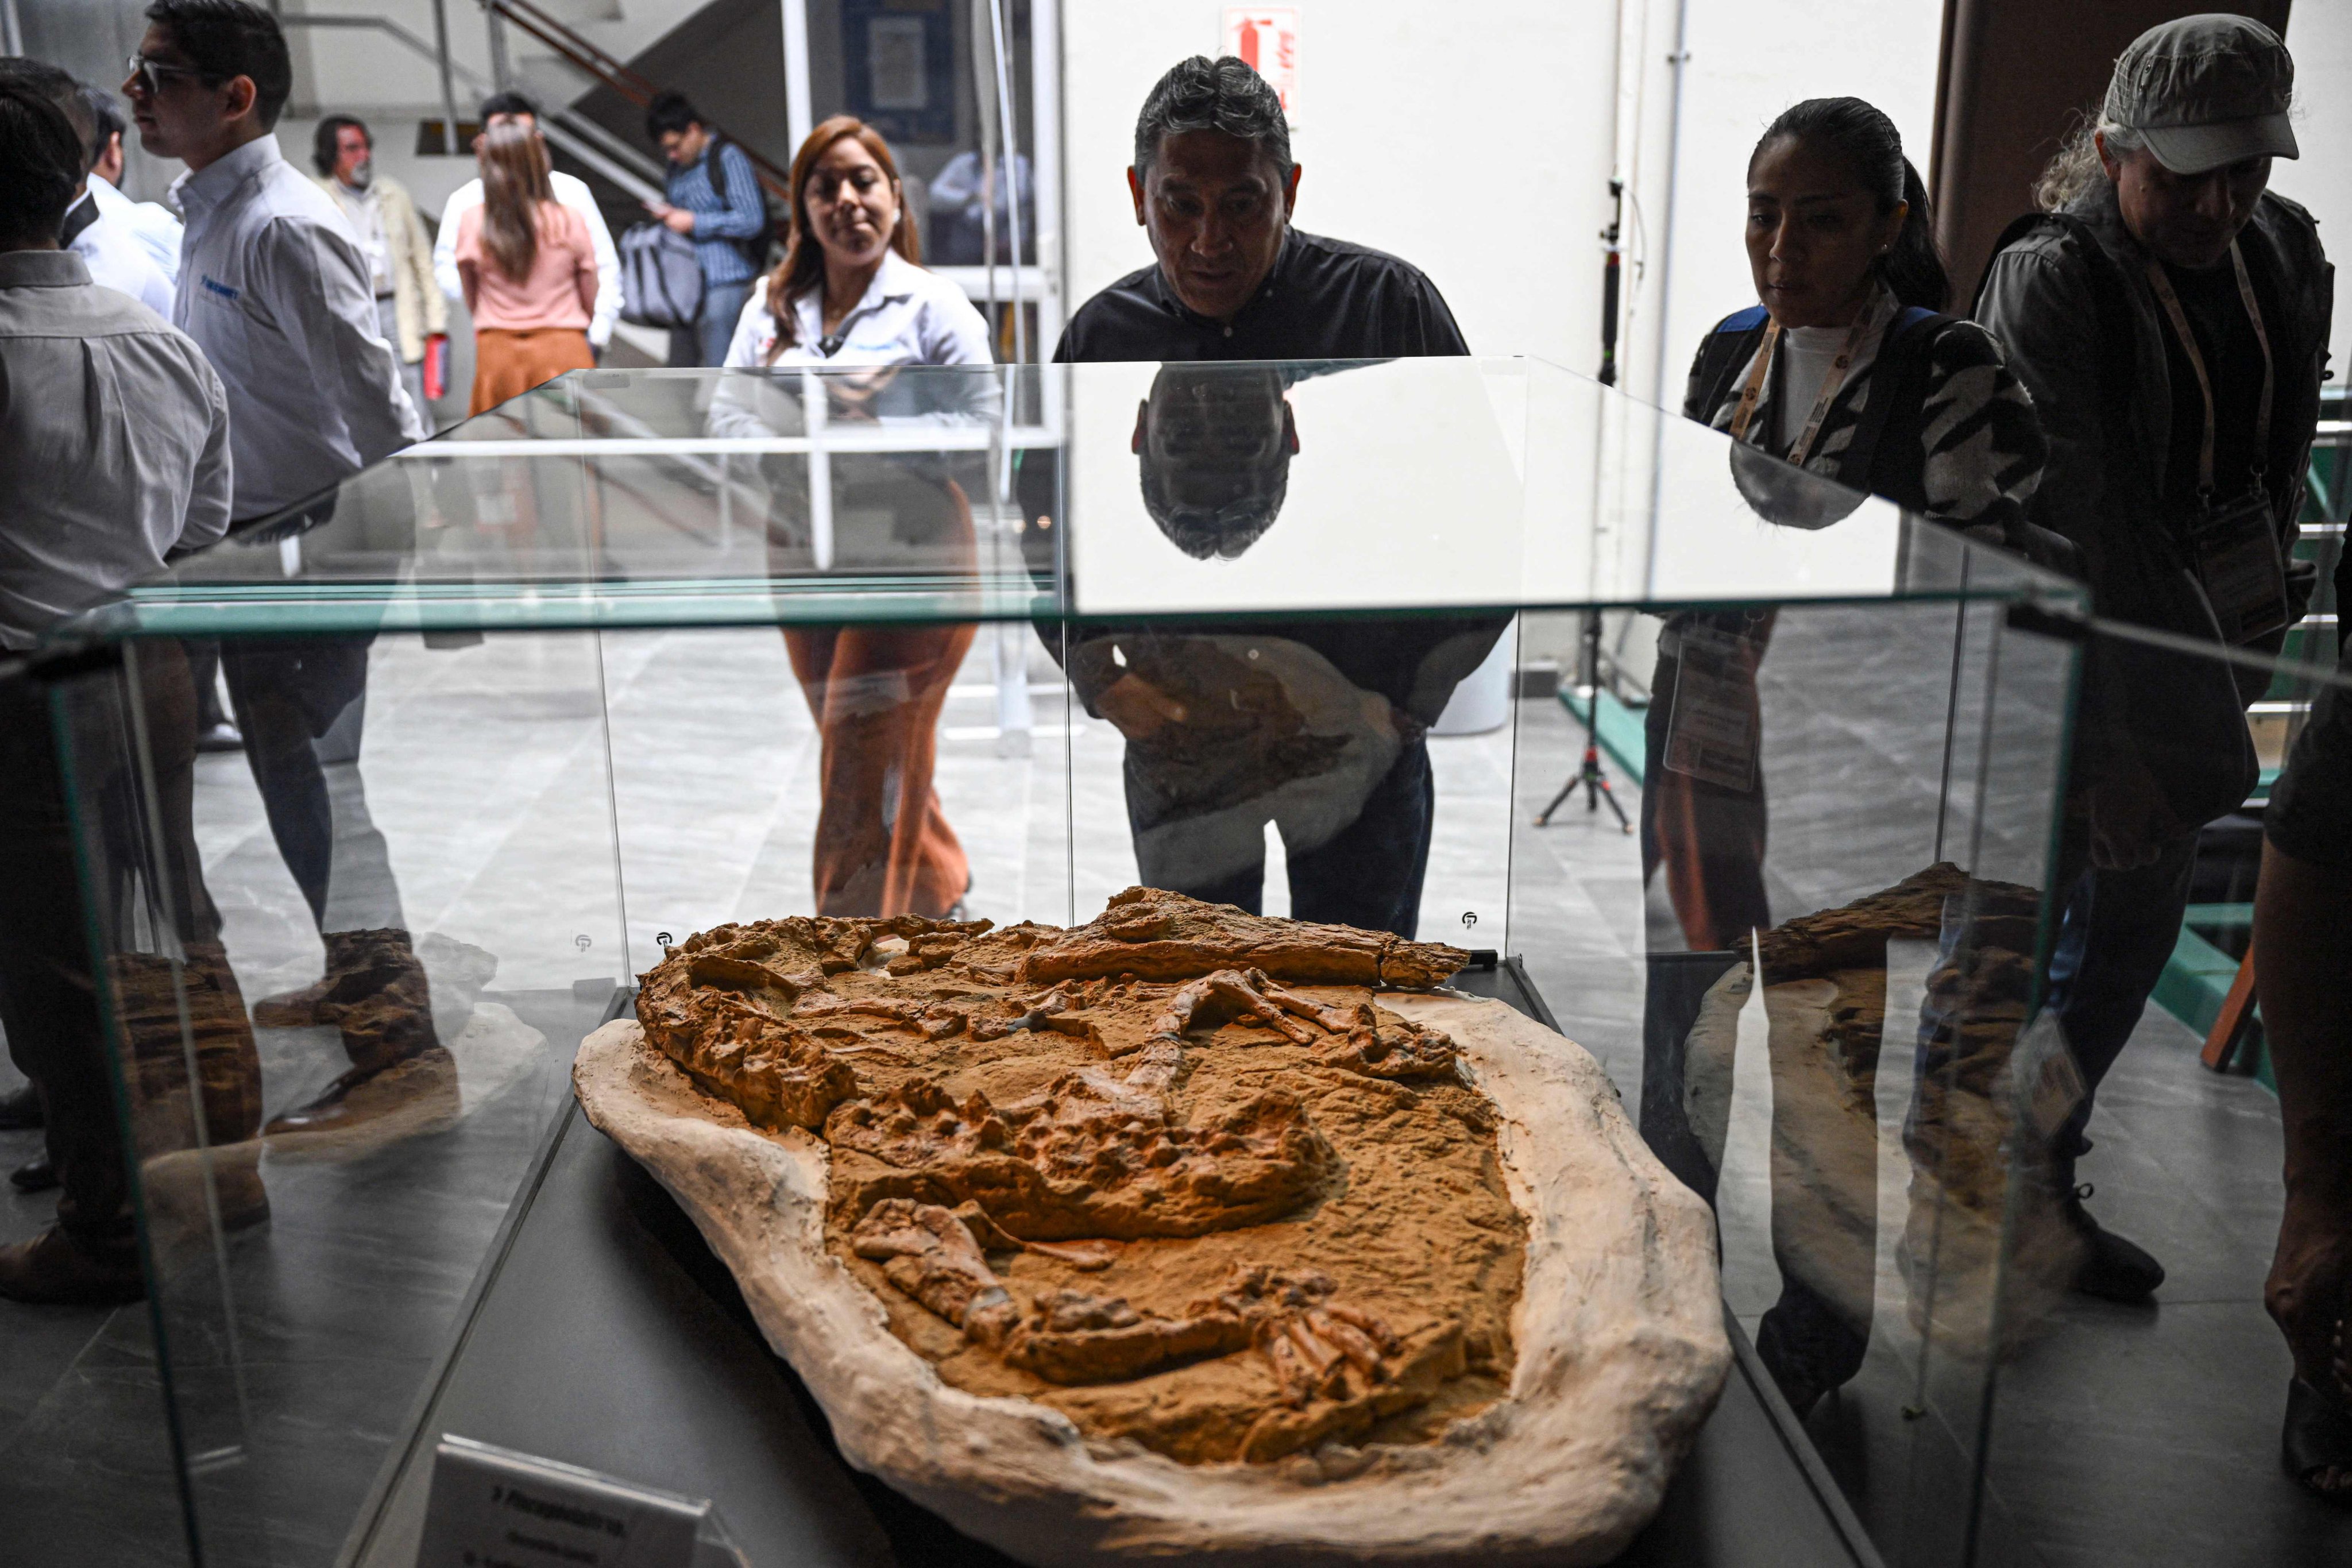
(1962, 444)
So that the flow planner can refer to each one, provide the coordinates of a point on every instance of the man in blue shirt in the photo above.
(715, 200)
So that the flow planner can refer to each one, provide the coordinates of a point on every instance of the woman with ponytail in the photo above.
(1848, 369)
(1924, 410)
(529, 272)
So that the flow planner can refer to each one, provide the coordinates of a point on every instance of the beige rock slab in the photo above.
(1620, 1328)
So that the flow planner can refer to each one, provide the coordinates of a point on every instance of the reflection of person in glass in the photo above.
(849, 296)
(1845, 373)
(1314, 727)
(277, 295)
(1215, 447)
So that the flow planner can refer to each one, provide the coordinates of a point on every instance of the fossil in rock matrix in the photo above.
(1174, 1172)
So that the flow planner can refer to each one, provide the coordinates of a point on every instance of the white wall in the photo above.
(1748, 61)
(1481, 159)
(2319, 34)
(1478, 145)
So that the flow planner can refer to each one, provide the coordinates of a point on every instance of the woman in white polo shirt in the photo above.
(849, 296)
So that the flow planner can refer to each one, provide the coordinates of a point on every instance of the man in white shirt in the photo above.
(276, 289)
(115, 452)
(503, 107)
(114, 253)
(157, 226)
(272, 283)
(409, 309)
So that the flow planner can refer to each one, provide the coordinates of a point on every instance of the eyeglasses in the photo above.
(147, 75)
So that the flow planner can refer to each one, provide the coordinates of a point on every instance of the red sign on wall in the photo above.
(1266, 40)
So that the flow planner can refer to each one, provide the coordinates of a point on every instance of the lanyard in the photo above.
(2162, 284)
(1863, 325)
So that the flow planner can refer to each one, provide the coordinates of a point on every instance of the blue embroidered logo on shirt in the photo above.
(223, 289)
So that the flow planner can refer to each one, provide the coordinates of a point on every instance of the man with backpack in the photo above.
(714, 200)
(2169, 315)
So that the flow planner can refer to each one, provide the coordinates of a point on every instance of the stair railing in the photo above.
(599, 149)
(619, 77)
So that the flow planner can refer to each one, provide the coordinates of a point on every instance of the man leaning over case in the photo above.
(2170, 318)
(1214, 187)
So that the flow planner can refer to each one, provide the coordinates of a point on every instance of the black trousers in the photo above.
(1368, 875)
(289, 692)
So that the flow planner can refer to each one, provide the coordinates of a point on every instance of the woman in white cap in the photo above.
(2169, 315)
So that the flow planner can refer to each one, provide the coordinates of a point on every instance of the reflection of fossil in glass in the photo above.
(1826, 1000)
(1126, 1170)
(1215, 444)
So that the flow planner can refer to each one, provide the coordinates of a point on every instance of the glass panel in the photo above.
(651, 651)
(2160, 1135)
(345, 965)
(676, 497)
(1896, 763)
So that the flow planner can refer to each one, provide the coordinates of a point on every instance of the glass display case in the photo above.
(645, 652)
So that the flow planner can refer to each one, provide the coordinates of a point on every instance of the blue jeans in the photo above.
(706, 342)
(2117, 936)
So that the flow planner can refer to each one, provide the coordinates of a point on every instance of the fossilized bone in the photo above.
(1090, 1157)
(927, 1252)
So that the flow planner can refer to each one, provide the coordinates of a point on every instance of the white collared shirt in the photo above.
(909, 316)
(275, 290)
(117, 261)
(573, 192)
(159, 232)
(114, 443)
(363, 210)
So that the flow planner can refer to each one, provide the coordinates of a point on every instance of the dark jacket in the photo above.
(2085, 334)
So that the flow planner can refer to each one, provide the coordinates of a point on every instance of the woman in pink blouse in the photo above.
(529, 269)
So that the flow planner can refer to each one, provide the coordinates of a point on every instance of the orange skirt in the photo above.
(507, 364)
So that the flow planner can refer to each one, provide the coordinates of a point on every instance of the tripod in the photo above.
(1591, 773)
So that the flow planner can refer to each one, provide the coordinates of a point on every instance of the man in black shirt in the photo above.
(1315, 726)
(1215, 188)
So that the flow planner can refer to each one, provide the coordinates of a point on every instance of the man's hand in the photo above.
(2131, 821)
(1139, 709)
(679, 220)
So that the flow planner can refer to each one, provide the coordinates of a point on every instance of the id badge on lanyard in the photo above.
(1712, 731)
(2233, 544)
(2235, 549)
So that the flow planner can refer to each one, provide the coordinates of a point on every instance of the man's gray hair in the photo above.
(2075, 167)
(1203, 94)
